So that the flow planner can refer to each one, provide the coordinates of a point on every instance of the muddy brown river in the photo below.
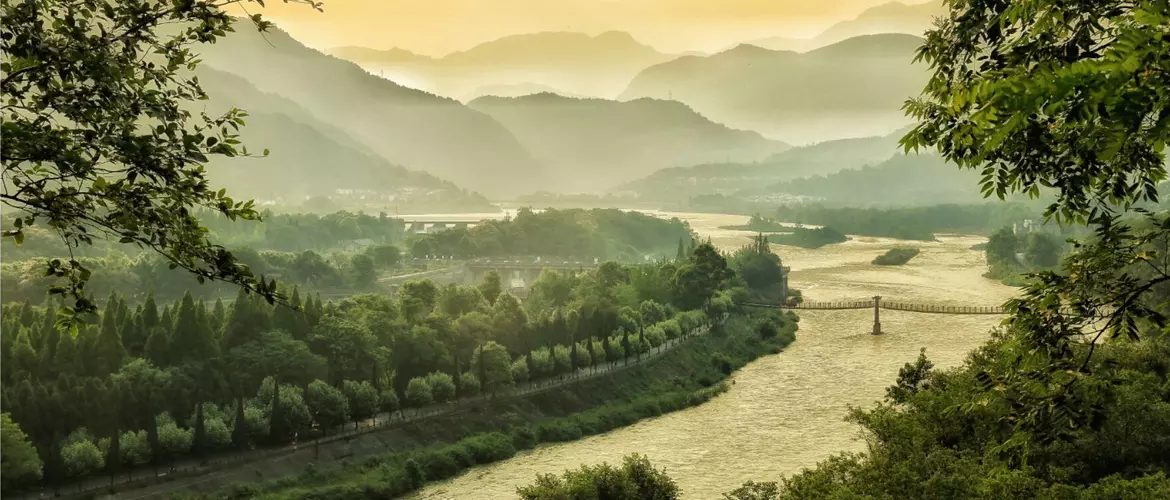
(785, 412)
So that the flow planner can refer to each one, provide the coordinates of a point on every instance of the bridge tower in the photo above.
(877, 320)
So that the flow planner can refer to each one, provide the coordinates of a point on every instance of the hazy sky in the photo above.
(437, 27)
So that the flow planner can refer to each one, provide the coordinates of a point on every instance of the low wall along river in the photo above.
(785, 412)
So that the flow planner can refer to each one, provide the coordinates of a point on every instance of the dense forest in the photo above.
(607, 234)
(144, 384)
(339, 253)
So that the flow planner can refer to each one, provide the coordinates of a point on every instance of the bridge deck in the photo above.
(891, 306)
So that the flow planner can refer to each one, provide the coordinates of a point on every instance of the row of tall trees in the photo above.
(141, 384)
(116, 272)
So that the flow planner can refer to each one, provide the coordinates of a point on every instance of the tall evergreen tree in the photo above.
(49, 336)
(66, 358)
(23, 358)
(572, 357)
(291, 318)
(150, 318)
(191, 340)
(28, 315)
(134, 336)
(108, 351)
(482, 370)
(167, 319)
(218, 317)
(158, 347)
(626, 346)
(199, 433)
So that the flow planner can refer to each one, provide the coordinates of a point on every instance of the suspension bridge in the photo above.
(877, 304)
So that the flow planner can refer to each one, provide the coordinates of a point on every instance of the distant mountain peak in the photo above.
(749, 50)
(872, 44)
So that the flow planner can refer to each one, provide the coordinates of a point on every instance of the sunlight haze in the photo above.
(439, 27)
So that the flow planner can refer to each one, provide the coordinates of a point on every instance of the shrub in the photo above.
(520, 370)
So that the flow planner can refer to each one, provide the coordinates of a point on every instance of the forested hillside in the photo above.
(407, 127)
(902, 180)
(852, 88)
(590, 144)
(311, 158)
(185, 379)
(822, 158)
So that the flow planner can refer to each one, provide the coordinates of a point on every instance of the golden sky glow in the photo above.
(437, 27)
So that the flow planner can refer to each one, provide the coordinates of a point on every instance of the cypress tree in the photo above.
(22, 357)
(108, 350)
(572, 357)
(626, 346)
(167, 320)
(134, 336)
(199, 436)
(218, 317)
(641, 341)
(28, 316)
(291, 318)
(66, 359)
(457, 377)
(240, 431)
(191, 340)
(150, 317)
(313, 311)
(156, 451)
(49, 335)
(483, 381)
(238, 328)
(121, 311)
(158, 346)
(276, 432)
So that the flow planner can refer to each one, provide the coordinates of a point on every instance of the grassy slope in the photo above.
(442, 447)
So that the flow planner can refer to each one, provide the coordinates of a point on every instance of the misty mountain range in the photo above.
(588, 144)
(576, 63)
(331, 124)
(851, 88)
(893, 17)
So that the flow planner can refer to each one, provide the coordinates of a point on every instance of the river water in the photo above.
(785, 412)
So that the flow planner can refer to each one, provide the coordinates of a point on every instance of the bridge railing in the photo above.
(885, 304)
(940, 308)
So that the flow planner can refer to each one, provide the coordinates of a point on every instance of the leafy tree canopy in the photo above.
(99, 140)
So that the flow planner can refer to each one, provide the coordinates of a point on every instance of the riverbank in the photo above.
(443, 446)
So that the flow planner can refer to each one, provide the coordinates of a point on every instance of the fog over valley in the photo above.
(585, 249)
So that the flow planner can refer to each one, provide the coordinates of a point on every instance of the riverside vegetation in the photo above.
(439, 448)
(186, 380)
(1071, 398)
